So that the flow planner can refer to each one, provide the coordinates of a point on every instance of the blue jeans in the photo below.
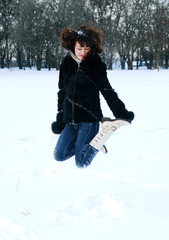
(74, 140)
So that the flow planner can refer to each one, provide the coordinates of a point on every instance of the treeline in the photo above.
(136, 32)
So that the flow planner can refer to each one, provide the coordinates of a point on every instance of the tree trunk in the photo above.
(130, 64)
(28, 60)
(156, 60)
(123, 62)
(39, 61)
(19, 58)
(2, 61)
(166, 60)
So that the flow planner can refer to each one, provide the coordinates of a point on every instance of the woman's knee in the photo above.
(85, 158)
(82, 164)
(58, 156)
(62, 155)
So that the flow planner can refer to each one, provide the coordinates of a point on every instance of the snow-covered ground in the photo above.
(122, 195)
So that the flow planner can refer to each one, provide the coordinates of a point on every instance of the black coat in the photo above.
(79, 88)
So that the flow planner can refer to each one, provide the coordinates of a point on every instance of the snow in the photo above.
(122, 195)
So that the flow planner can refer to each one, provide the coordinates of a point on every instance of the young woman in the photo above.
(82, 77)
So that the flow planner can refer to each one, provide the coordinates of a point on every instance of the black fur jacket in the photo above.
(79, 88)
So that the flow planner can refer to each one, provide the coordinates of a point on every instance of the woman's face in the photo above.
(81, 52)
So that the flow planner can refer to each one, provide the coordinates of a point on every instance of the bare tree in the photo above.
(6, 22)
(156, 32)
(130, 33)
(133, 30)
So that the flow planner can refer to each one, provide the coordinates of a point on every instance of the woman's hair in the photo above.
(85, 34)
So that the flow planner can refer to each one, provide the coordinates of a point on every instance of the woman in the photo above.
(82, 76)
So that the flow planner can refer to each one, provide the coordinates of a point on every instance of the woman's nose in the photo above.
(83, 51)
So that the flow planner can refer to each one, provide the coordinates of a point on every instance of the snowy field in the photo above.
(123, 195)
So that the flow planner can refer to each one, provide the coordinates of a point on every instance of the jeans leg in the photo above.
(65, 147)
(84, 153)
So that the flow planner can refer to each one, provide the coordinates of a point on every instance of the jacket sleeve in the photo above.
(59, 125)
(115, 104)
